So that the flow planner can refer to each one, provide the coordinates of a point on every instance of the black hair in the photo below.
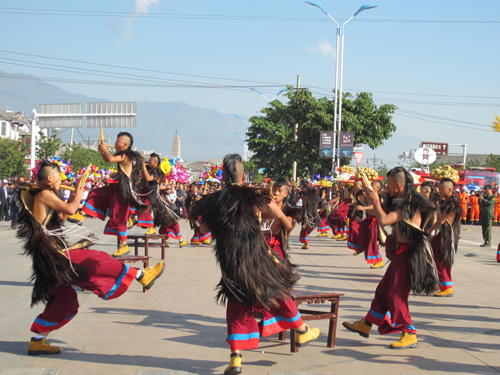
(155, 155)
(280, 181)
(409, 185)
(446, 179)
(229, 167)
(488, 187)
(45, 169)
(127, 134)
(428, 184)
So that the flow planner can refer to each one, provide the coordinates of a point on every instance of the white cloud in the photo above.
(325, 48)
(127, 37)
(140, 7)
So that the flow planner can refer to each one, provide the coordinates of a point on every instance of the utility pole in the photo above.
(295, 129)
(375, 160)
(71, 137)
(89, 143)
(109, 138)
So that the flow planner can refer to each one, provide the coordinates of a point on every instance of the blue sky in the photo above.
(445, 69)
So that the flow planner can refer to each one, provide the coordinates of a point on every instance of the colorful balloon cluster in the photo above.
(214, 172)
(174, 170)
(67, 172)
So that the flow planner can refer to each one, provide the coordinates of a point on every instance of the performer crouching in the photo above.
(57, 266)
(412, 267)
(254, 278)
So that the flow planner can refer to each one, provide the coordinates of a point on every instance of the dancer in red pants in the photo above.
(411, 269)
(57, 266)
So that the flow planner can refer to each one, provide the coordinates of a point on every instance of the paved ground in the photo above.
(177, 328)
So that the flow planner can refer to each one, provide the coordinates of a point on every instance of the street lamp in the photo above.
(340, 32)
(267, 100)
(245, 144)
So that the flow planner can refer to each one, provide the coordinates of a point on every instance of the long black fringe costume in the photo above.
(422, 269)
(310, 216)
(450, 233)
(250, 272)
(127, 185)
(51, 268)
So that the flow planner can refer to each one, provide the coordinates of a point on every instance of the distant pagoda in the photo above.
(176, 146)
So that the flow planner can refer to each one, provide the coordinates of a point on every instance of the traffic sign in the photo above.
(358, 156)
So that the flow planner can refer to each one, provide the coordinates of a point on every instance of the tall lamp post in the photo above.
(338, 109)
(245, 144)
(267, 100)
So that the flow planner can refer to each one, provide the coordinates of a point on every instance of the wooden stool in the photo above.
(146, 244)
(311, 297)
(133, 259)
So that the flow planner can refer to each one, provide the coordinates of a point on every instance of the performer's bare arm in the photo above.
(277, 213)
(46, 200)
(445, 216)
(147, 176)
(383, 218)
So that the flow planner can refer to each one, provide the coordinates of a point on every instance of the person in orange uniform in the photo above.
(496, 220)
(474, 209)
(463, 200)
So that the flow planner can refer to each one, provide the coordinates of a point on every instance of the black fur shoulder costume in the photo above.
(51, 268)
(250, 273)
(450, 232)
(422, 269)
(127, 185)
(310, 215)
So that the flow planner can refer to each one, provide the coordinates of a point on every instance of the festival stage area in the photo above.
(177, 328)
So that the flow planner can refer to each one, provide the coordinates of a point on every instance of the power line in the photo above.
(91, 13)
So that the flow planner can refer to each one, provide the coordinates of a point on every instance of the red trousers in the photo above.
(355, 238)
(200, 237)
(108, 278)
(243, 331)
(323, 227)
(389, 309)
(106, 197)
(444, 272)
(337, 219)
(370, 243)
(173, 231)
(304, 234)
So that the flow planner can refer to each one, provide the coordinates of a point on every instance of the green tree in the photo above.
(252, 172)
(12, 159)
(81, 157)
(48, 146)
(271, 136)
(493, 161)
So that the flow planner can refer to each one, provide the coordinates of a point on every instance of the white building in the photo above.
(176, 146)
(11, 124)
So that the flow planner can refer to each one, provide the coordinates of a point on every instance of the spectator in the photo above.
(4, 200)
(15, 203)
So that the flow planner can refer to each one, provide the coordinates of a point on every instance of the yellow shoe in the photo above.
(377, 265)
(206, 242)
(360, 327)
(305, 247)
(42, 346)
(76, 218)
(151, 230)
(338, 235)
(343, 238)
(406, 341)
(358, 252)
(445, 293)
(195, 243)
(234, 367)
(183, 243)
(149, 275)
(304, 338)
(324, 234)
(131, 222)
(123, 250)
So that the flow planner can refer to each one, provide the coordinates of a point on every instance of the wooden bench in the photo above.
(133, 259)
(146, 242)
(300, 297)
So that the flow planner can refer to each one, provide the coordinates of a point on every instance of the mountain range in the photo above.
(204, 133)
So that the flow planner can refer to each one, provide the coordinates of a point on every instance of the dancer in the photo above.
(57, 265)
(325, 209)
(370, 229)
(310, 218)
(118, 197)
(338, 217)
(254, 278)
(199, 238)
(412, 267)
(445, 243)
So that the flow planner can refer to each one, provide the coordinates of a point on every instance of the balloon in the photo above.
(63, 176)
(317, 177)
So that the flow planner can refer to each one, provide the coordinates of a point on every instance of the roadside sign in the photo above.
(326, 144)
(346, 140)
(358, 156)
(441, 149)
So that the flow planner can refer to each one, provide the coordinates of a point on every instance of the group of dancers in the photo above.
(250, 229)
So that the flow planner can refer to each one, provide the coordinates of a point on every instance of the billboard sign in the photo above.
(346, 152)
(441, 149)
(326, 145)
(346, 140)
